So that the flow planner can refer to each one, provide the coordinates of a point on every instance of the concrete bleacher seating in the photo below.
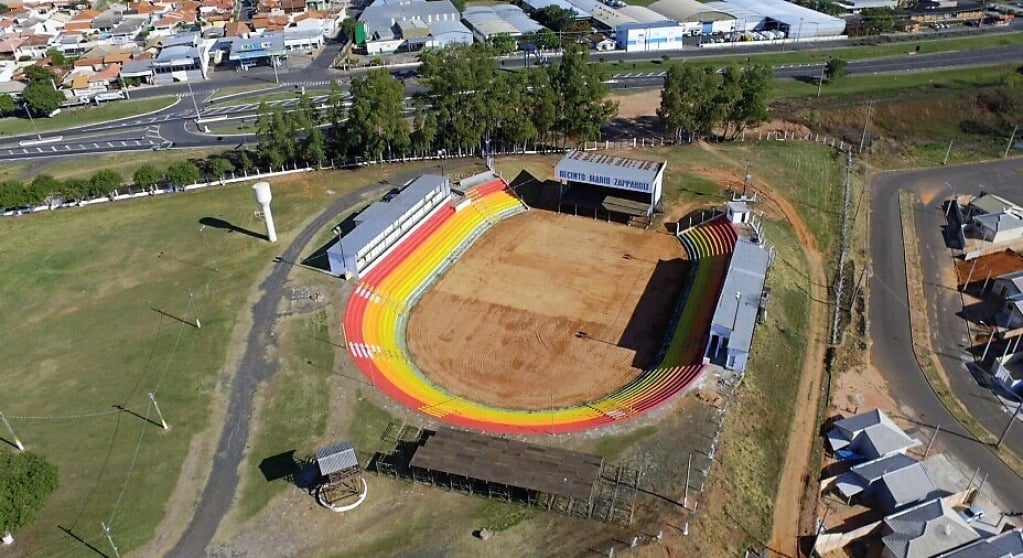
(375, 318)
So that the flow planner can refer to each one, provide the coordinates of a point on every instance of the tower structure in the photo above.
(263, 197)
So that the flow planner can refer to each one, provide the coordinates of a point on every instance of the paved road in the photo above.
(253, 369)
(170, 127)
(890, 324)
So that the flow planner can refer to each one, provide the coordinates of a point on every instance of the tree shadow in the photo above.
(286, 467)
(217, 223)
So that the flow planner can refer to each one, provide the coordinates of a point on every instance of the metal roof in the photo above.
(1005, 221)
(872, 471)
(740, 296)
(926, 530)
(589, 163)
(909, 485)
(991, 203)
(487, 22)
(802, 22)
(377, 217)
(381, 16)
(1006, 545)
(543, 469)
(738, 12)
(641, 14)
(515, 16)
(685, 10)
(338, 457)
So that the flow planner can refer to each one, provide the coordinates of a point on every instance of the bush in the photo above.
(28, 481)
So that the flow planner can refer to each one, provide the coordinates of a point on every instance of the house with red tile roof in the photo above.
(237, 29)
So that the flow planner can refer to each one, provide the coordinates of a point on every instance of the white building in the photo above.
(648, 37)
(735, 317)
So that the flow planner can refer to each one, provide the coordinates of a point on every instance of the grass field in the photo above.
(927, 45)
(258, 97)
(125, 165)
(894, 84)
(95, 312)
(81, 116)
(257, 88)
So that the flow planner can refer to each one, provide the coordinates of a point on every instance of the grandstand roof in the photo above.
(642, 14)
(802, 22)
(739, 302)
(377, 217)
(687, 10)
(608, 170)
(548, 470)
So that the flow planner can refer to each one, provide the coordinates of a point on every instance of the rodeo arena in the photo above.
(445, 275)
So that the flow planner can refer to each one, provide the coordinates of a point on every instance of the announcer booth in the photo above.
(608, 186)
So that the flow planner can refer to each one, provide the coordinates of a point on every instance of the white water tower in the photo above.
(263, 197)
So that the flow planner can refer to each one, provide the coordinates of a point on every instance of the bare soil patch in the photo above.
(501, 326)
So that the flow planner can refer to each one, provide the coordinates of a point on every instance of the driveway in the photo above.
(889, 314)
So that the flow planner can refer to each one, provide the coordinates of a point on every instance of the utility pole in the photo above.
(28, 111)
(1008, 426)
(866, 124)
(947, 152)
(1011, 139)
(933, 437)
(191, 304)
(17, 442)
(158, 413)
(106, 531)
(820, 81)
(689, 467)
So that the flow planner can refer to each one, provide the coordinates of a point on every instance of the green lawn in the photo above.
(284, 423)
(255, 89)
(84, 115)
(890, 84)
(267, 97)
(93, 312)
(79, 167)
(655, 64)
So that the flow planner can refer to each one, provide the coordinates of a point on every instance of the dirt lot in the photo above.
(501, 326)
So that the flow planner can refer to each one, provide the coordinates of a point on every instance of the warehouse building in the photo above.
(695, 16)
(649, 37)
(745, 20)
(382, 225)
(487, 22)
(735, 317)
(603, 17)
(641, 14)
(388, 26)
(797, 22)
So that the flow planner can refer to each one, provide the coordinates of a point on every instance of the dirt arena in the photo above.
(501, 327)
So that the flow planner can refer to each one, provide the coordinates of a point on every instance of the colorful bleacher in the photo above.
(375, 323)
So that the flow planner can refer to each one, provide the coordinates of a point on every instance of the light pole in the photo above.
(1008, 426)
(820, 81)
(1011, 138)
(28, 111)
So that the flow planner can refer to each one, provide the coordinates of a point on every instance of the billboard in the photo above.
(608, 181)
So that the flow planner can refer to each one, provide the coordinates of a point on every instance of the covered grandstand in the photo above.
(608, 185)
(735, 317)
(487, 22)
(797, 22)
(382, 225)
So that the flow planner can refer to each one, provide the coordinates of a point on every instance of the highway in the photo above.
(889, 330)
(175, 127)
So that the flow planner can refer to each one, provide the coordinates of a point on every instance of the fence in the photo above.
(536, 149)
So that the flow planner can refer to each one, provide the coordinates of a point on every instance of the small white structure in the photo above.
(263, 197)
(739, 212)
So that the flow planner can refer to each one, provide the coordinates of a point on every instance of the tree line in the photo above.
(44, 188)
(471, 106)
(700, 101)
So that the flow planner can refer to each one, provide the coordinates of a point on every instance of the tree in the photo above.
(314, 149)
(836, 69)
(183, 173)
(41, 97)
(581, 94)
(751, 108)
(687, 104)
(220, 166)
(335, 116)
(671, 111)
(555, 18)
(269, 136)
(104, 182)
(728, 96)
(74, 189)
(57, 57)
(4, 8)
(6, 104)
(44, 186)
(376, 125)
(348, 28)
(503, 44)
(877, 20)
(547, 39)
(147, 176)
(28, 481)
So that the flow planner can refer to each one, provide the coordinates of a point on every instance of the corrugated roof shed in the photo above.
(488, 23)
(641, 14)
(547, 470)
(802, 22)
(515, 16)
(687, 10)
(338, 457)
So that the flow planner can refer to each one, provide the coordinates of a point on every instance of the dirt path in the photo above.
(788, 501)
